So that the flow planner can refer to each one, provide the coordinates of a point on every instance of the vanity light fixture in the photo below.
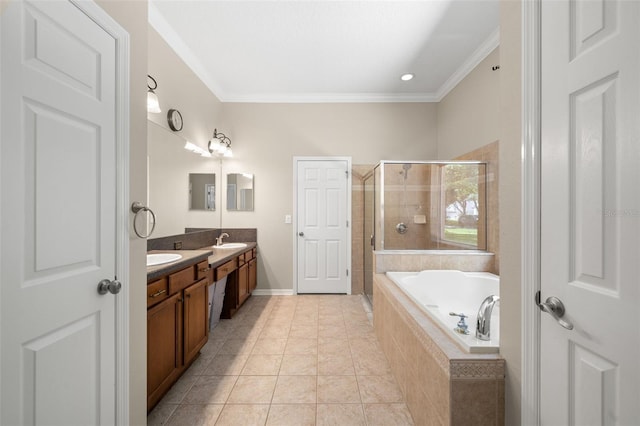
(220, 144)
(406, 77)
(153, 104)
(196, 149)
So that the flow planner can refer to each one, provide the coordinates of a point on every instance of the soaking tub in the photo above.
(439, 292)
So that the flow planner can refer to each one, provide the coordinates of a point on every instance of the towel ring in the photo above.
(138, 207)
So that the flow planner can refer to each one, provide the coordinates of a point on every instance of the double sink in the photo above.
(162, 258)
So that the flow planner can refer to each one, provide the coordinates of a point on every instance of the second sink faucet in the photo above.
(483, 324)
(219, 239)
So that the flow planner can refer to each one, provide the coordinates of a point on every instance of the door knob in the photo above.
(554, 307)
(106, 286)
(301, 234)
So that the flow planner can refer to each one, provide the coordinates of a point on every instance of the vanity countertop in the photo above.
(221, 256)
(215, 257)
(189, 257)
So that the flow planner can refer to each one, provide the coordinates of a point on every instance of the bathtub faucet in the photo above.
(483, 325)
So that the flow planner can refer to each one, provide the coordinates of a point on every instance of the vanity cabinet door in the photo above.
(243, 283)
(253, 274)
(196, 319)
(164, 347)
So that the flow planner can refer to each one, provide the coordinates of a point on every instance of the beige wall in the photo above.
(475, 102)
(510, 184)
(132, 16)
(266, 137)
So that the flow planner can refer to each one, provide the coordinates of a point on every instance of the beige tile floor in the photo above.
(289, 360)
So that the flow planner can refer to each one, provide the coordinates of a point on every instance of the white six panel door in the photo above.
(590, 217)
(322, 226)
(58, 216)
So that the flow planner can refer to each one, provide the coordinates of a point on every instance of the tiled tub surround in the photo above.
(416, 261)
(442, 384)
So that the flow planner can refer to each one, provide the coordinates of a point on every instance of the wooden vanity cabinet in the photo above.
(164, 350)
(196, 319)
(240, 284)
(243, 279)
(177, 326)
(253, 273)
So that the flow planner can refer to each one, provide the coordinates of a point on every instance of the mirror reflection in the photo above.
(239, 192)
(202, 191)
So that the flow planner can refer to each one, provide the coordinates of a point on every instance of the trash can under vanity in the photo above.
(216, 300)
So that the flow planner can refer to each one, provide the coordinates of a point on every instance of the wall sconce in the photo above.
(153, 105)
(220, 144)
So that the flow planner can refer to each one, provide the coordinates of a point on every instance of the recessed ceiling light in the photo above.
(406, 77)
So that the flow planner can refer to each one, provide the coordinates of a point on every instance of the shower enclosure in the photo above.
(423, 205)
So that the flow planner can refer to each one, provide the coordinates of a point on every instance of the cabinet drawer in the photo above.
(157, 291)
(241, 260)
(181, 279)
(253, 253)
(224, 269)
(202, 270)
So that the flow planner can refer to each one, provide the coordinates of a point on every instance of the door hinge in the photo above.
(347, 224)
(347, 272)
(346, 174)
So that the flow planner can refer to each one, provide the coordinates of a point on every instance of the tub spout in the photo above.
(483, 325)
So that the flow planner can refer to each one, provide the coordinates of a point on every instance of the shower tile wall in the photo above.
(407, 195)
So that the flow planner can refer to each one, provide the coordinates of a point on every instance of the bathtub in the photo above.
(439, 292)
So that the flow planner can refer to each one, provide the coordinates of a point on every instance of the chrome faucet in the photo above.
(483, 325)
(219, 239)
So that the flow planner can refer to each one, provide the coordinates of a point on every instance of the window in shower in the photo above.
(462, 197)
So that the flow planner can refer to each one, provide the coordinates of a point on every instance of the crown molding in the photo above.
(332, 98)
(469, 65)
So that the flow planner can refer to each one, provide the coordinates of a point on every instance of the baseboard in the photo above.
(272, 292)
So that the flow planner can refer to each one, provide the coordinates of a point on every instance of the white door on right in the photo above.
(590, 216)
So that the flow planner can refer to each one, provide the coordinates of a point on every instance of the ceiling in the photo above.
(328, 51)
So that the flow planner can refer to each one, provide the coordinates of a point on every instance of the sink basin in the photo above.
(230, 246)
(160, 258)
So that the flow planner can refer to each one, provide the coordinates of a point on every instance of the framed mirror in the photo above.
(239, 192)
(202, 191)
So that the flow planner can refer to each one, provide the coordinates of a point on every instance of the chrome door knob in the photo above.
(107, 286)
(554, 307)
